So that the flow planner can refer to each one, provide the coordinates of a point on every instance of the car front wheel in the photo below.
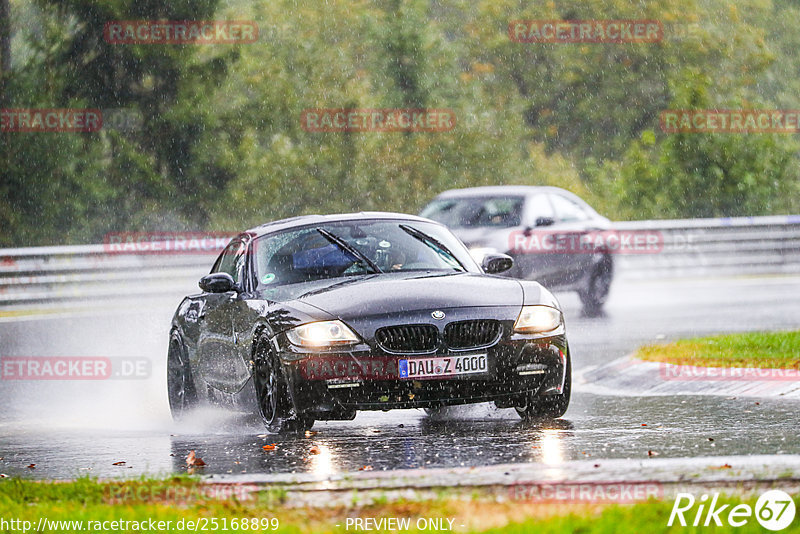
(180, 386)
(272, 393)
(548, 406)
(594, 295)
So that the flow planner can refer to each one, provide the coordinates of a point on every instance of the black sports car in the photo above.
(316, 317)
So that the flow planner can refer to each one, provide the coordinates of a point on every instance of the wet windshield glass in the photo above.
(500, 212)
(357, 248)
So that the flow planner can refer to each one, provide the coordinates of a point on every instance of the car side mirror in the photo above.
(218, 283)
(545, 221)
(496, 263)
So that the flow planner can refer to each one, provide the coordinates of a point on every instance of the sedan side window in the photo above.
(567, 210)
(231, 261)
(538, 208)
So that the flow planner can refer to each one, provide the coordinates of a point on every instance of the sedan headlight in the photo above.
(539, 320)
(322, 334)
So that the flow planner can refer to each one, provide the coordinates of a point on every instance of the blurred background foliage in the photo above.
(220, 146)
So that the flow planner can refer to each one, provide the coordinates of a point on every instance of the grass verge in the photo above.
(762, 350)
(181, 500)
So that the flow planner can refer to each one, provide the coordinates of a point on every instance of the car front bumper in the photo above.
(334, 384)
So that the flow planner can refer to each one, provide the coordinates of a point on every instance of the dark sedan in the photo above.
(316, 317)
(554, 237)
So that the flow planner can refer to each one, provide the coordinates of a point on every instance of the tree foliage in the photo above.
(221, 143)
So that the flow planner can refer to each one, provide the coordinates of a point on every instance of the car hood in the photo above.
(392, 293)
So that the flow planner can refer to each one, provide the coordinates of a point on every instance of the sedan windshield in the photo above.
(357, 248)
(502, 212)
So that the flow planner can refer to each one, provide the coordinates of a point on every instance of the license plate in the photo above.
(465, 364)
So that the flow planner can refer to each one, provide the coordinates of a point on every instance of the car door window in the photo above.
(538, 208)
(232, 261)
(567, 210)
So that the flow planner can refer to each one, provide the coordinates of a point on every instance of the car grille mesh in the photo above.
(472, 334)
(408, 338)
(460, 335)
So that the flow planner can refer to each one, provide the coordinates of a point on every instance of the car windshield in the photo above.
(361, 247)
(501, 212)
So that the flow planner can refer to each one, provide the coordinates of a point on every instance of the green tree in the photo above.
(164, 175)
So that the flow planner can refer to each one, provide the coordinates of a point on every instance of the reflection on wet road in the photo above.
(596, 428)
(74, 429)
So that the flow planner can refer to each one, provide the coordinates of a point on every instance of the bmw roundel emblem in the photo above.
(438, 314)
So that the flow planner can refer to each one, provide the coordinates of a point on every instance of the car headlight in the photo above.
(322, 334)
(539, 320)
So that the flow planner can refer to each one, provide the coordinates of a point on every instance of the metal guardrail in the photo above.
(691, 247)
(90, 272)
(713, 247)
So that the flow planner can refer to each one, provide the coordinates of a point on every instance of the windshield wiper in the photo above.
(342, 244)
(434, 244)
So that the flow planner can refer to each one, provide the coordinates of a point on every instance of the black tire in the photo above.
(594, 295)
(181, 390)
(549, 406)
(272, 393)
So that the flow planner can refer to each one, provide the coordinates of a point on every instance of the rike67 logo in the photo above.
(774, 510)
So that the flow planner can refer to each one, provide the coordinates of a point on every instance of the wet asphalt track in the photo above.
(75, 428)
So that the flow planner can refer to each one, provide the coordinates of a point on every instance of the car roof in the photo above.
(500, 190)
(306, 220)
